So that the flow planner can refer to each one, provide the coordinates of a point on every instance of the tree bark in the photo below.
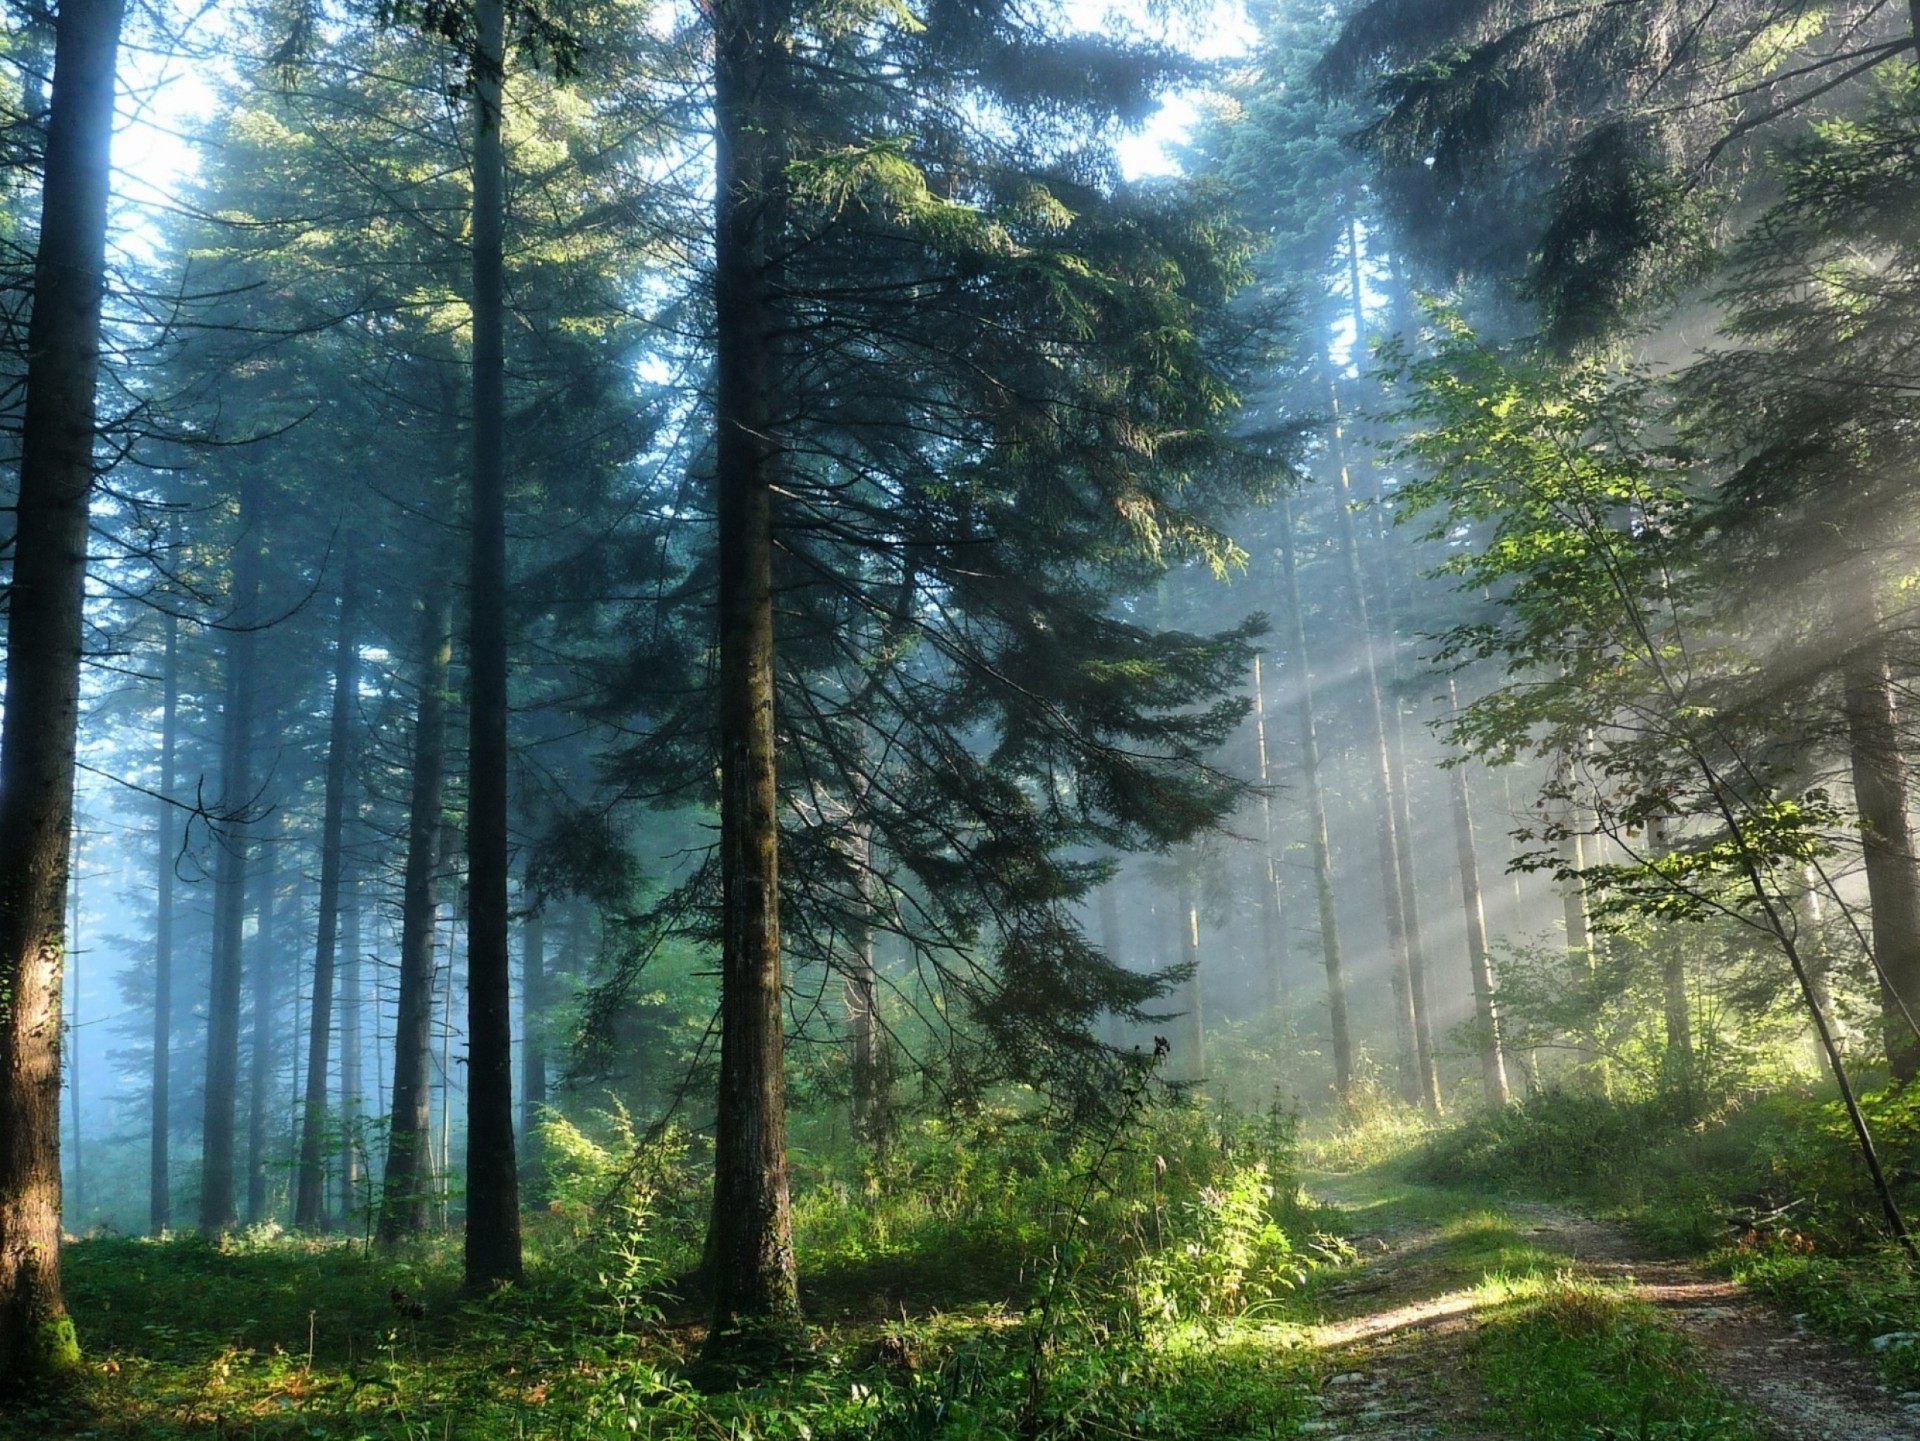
(869, 1121)
(44, 633)
(230, 873)
(1273, 919)
(1110, 948)
(1186, 921)
(73, 950)
(266, 959)
(533, 1048)
(1880, 787)
(352, 1094)
(159, 1194)
(404, 1206)
(1317, 840)
(1415, 1076)
(309, 1199)
(1493, 1065)
(493, 1177)
(751, 1241)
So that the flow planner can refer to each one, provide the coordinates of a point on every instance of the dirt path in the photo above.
(1397, 1342)
(1802, 1386)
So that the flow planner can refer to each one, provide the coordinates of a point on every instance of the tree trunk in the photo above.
(352, 1101)
(404, 1199)
(1110, 948)
(1186, 920)
(309, 1199)
(1880, 788)
(43, 683)
(751, 1244)
(1273, 916)
(1415, 1076)
(1317, 841)
(1493, 1065)
(230, 874)
(74, 1022)
(266, 959)
(533, 1036)
(493, 1176)
(159, 1195)
(1410, 898)
(863, 991)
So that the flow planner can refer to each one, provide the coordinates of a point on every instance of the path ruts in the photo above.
(1396, 1347)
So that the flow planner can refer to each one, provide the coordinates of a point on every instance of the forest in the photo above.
(959, 720)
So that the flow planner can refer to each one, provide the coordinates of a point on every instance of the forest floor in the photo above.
(1424, 1337)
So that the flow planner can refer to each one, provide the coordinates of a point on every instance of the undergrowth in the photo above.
(1575, 1361)
(988, 1277)
(1767, 1188)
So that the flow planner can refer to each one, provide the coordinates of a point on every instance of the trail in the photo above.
(1397, 1340)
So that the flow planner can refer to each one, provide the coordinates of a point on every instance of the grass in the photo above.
(1161, 1319)
(1566, 1360)
(1677, 1174)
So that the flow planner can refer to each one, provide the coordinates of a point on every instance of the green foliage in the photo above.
(1581, 1362)
(1169, 1248)
(1226, 1254)
(1872, 1299)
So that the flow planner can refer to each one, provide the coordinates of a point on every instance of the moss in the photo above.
(53, 1348)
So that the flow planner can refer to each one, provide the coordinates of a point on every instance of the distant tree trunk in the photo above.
(352, 1093)
(751, 1240)
(266, 960)
(309, 1200)
(159, 1196)
(404, 1206)
(43, 683)
(230, 873)
(1810, 919)
(1881, 795)
(1186, 920)
(1273, 922)
(1415, 1075)
(1317, 841)
(1493, 1065)
(863, 990)
(493, 1177)
(74, 1023)
(533, 1043)
(1581, 948)
(1110, 948)
(1410, 899)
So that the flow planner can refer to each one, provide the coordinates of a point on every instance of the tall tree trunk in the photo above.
(1186, 920)
(1410, 893)
(1414, 1074)
(751, 1240)
(352, 1093)
(37, 739)
(533, 1034)
(404, 1206)
(1110, 948)
(862, 986)
(1493, 1065)
(1317, 841)
(309, 1198)
(1581, 947)
(266, 960)
(1881, 795)
(159, 1194)
(493, 1176)
(230, 873)
(1676, 1061)
(74, 1022)
(1273, 917)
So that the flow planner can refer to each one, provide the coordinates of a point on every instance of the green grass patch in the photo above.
(1570, 1361)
